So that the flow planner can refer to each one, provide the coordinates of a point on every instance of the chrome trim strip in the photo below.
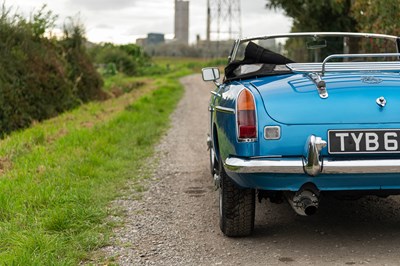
(267, 165)
(361, 166)
(225, 110)
(216, 94)
(311, 163)
(295, 166)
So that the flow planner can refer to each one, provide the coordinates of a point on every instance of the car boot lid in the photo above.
(361, 97)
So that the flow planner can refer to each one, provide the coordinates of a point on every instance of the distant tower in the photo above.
(223, 19)
(182, 21)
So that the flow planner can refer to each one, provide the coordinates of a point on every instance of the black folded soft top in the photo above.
(257, 61)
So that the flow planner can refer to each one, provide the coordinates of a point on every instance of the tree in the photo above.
(317, 15)
(377, 16)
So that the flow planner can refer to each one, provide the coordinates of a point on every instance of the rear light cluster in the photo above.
(246, 116)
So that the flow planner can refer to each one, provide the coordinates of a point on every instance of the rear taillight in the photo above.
(246, 116)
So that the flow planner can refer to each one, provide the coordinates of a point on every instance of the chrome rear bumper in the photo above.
(311, 163)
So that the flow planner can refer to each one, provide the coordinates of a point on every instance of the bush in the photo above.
(129, 59)
(40, 77)
(81, 71)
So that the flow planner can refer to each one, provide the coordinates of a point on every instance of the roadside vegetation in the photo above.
(40, 76)
(58, 177)
(77, 122)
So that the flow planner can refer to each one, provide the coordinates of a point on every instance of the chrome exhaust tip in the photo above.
(304, 202)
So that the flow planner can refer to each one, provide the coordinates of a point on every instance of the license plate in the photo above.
(364, 141)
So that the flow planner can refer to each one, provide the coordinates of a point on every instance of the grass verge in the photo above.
(58, 176)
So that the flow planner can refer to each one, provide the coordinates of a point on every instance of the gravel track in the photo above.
(176, 221)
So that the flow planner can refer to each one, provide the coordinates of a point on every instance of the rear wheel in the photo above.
(236, 207)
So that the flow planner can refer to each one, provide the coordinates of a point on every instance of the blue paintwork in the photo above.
(323, 182)
(291, 101)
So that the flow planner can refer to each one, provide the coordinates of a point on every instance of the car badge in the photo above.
(381, 101)
(371, 80)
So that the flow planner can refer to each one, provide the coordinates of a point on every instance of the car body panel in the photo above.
(294, 182)
(291, 101)
(280, 96)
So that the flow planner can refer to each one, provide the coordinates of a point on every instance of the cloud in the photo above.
(122, 20)
(104, 26)
(160, 25)
(102, 4)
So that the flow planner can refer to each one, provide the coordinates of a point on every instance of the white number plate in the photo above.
(364, 141)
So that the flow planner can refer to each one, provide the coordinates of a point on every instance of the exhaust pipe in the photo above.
(305, 201)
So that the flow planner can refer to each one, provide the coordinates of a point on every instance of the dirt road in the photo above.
(176, 221)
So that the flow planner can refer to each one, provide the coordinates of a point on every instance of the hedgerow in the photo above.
(41, 76)
(129, 59)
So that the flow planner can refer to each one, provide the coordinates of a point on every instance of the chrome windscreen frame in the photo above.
(237, 43)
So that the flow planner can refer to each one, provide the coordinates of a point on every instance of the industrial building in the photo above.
(219, 39)
(151, 40)
(182, 21)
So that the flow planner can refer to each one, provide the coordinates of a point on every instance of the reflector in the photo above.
(272, 132)
(246, 100)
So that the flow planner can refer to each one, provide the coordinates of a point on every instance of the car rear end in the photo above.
(284, 129)
(347, 141)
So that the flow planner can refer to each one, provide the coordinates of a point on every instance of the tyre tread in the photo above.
(238, 209)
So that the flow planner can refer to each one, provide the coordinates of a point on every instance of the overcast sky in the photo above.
(122, 21)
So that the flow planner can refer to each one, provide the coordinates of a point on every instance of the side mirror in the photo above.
(210, 74)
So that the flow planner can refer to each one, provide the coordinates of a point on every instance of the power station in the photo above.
(223, 24)
(223, 20)
(182, 21)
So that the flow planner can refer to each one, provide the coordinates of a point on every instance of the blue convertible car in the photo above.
(301, 115)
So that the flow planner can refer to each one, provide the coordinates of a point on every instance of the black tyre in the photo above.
(236, 207)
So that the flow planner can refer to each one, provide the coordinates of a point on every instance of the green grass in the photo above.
(59, 176)
(123, 83)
